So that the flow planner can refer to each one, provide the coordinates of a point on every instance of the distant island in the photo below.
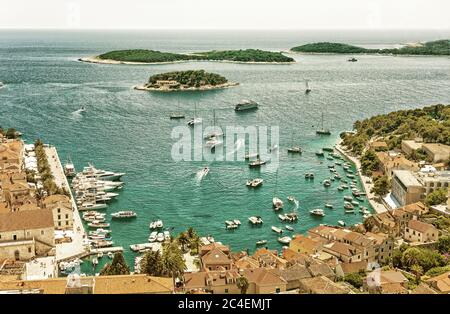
(185, 81)
(143, 56)
(438, 47)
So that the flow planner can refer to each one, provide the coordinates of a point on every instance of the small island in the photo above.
(143, 56)
(438, 47)
(192, 80)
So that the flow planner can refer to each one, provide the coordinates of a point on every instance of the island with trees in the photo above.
(185, 81)
(143, 56)
(438, 47)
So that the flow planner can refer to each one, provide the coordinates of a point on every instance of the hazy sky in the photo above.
(226, 14)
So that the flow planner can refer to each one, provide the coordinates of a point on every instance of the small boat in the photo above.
(291, 199)
(194, 121)
(2, 85)
(160, 237)
(156, 224)
(295, 150)
(69, 168)
(100, 255)
(285, 240)
(261, 242)
(236, 222)
(291, 216)
(111, 255)
(277, 203)
(176, 116)
(348, 198)
(307, 89)
(340, 188)
(255, 220)
(326, 183)
(365, 216)
(348, 205)
(213, 143)
(282, 217)
(124, 214)
(94, 261)
(327, 205)
(289, 228)
(341, 223)
(166, 235)
(232, 226)
(254, 182)
(246, 105)
(98, 224)
(330, 158)
(229, 222)
(102, 243)
(349, 175)
(153, 236)
(354, 203)
(320, 153)
(309, 175)
(256, 163)
(352, 59)
(277, 230)
(317, 212)
(328, 149)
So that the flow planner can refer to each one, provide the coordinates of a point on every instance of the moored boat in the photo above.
(277, 230)
(285, 240)
(317, 212)
(254, 182)
(246, 105)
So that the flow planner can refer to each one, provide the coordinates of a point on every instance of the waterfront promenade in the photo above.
(76, 247)
(365, 180)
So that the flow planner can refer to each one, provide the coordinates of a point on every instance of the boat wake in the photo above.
(237, 146)
(201, 174)
(78, 114)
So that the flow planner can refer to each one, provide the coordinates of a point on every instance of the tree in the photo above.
(183, 240)
(11, 133)
(417, 270)
(172, 261)
(436, 197)
(242, 283)
(411, 256)
(443, 244)
(381, 186)
(118, 266)
(151, 263)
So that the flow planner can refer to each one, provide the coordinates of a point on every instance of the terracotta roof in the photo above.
(423, 288)
(48, 286)
(420, 226)
(343, 248)
(441, 282)
(305, 243)
(215, 256)
(418, 207)
(132, 284)
(206, 248)
(378, 238)
(263, 277)
(322, 285)
(246, 262)
(298, 258)
(392, 276)
(321, 230)
(26, 220)
(350, 268)
(393, 288)
(217, 278)
(321, 269)
(295, 272)
(56, 198)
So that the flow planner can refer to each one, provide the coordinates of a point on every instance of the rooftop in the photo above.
(26, 220)
(407, 178)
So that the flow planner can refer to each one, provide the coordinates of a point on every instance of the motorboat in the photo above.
(160, 237)
(341, 223)
(95, 224)
(254, 182)
(213, 143)
(289, 228)
(177, 115)
(69, 168)
(91, 172)
(291, 199)
(277, 203)
(166, 235)
(255, 220)
(282, 217)
(352, 59)
(246, 105)
(194, 121)
(291, 217)
(348, 198)
(317, 212)
(100, 255)
(309, 175)
(261, 242)
(232, 226)
(326, 183)
(92, 206)
(236, 222)
(295, 150)
(102, 243)
(348, 205)
(277, 230)
(320, 153)
(153, 236)
(124, 214)
(285, 240)
(257, 163)
(157, 224)
(110, 255)
(327, 205)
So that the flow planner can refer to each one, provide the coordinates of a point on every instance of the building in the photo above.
(264, 281)
(440, 283)
(410, 146)
(25, 234)
(420, 232)
(217, 282)
(322, 285)
(386, 282)
(306, 245)
(343, 251)
(11, 156)
(406, 188)
(216, 259)
(62, 210)
(432, 181)
(391, 161)
(437, 152)
(293, 274)
(378, 146)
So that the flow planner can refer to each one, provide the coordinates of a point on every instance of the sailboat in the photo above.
(176, 115)
(323, 131)
(214, 135)
(307, 89)
(195, 120)
(276, 202)
(294, 149)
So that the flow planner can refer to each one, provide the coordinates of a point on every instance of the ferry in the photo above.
(246, 105)
(285, 240)
(255, 182)
(124, 214)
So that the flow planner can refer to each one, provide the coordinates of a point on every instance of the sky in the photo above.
(225, 14)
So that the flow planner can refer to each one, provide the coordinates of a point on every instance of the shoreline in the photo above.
(202, 88)
(377, 207)
(95, 59)
(364, 54)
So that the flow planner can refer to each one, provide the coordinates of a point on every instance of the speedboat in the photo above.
(255, 182)
(277, 203)
(319, 153)
(69, 169)
(282, 217)
(291, 199)
(236, 222)
(153, 236)
(348, 198)
(261, 242)
(289, 228)
(309, 175)
(341, 223)
(160, 237)
(213, 143)
(255, 220)
(326, 183)
(256, 163)
(295, 150)
(194, 121)
(348, 205)
(110, 255)
(277, 230)
(285, 240)
(317, 212)
(327, 205)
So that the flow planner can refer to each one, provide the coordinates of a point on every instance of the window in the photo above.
(14, 237)
(67, 222)
(29, 249)
(59, 210)
(226, 290)
(277, 290)
(67, 216)
(42, 232)
(59, 217)
(59, 223)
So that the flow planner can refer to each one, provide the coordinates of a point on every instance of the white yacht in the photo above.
(124, 214)
(194, 121)
(277, 230)
(289, 228)
(255, 182)
(317, 212)
(153, 236)
(277, 203)
(341, 223)
(69, 168)
(157, 224)
(92, 206)
(91, 172)
(285, 240)
(261, 242)
(255, 220)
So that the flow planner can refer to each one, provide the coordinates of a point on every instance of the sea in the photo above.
(129, 131)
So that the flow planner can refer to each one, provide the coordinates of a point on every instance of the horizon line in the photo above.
(222, 29)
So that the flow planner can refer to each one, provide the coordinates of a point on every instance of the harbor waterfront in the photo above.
(129, 131)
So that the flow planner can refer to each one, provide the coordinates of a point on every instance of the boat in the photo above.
(323, 131)
(352, 59)
(309, 175)
(307, 88)
(100, 255)
(277, 230)
(348, 205)
(156, 224)
(229, 222)
(110, 255)
(2, 85)
(204, 172)
(102, 243)
(152, 237)
(320, 153)
(291, 217)
(348, 198)
(289, 228)
(69, 168)
(317, 212)
(355, 203)
(330, 158)
(246, 105)
(328, 149)
(160, 237)
(327, 205)
(236, 222)
(124, 214)
(341, 223)
(176, 116)
(326, 183)
(291, 199)
(285, 240)
(91, 172)
(349, 175)
(277, 203)
(282, 217)
(92, 206)
(295, 150)
(256, 163)
(255, 220)
(94, 261)
(261, 242)
(254, 182)
(194, 120)
(365, 216)
(95, 224)
(166, 235)
(251, 156)
(340, 188)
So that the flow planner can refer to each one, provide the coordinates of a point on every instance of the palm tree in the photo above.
(183, 240)
(417, 270)
(173, 263)
(242, 283)
(411, 257)
(191, 233)
(151, 263)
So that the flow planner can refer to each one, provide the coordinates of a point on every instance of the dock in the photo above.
(113, 249)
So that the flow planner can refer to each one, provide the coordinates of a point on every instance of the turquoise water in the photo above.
(128, 130)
